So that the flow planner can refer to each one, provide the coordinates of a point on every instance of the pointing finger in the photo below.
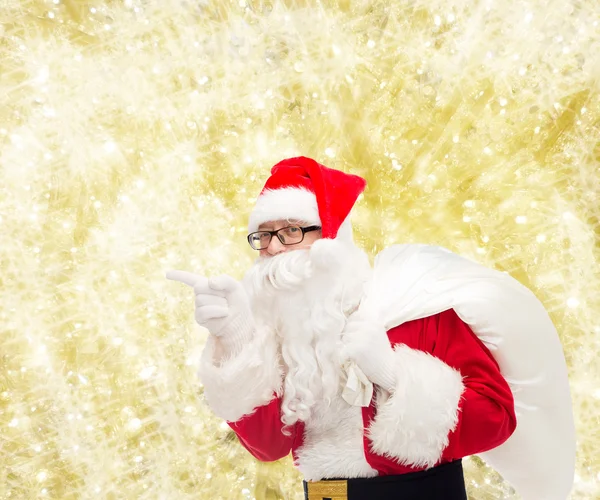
(185, 277)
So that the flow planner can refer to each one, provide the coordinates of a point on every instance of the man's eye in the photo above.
(294, 229)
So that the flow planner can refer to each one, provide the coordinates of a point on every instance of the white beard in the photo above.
(305, 296)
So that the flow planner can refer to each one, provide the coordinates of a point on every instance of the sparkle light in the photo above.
(134, 138)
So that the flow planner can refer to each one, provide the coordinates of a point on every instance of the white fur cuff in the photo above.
(412, 424)
(244, 382)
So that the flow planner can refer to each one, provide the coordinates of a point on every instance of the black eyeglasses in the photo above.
(291, 235)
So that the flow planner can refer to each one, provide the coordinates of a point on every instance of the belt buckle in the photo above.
(327, 490)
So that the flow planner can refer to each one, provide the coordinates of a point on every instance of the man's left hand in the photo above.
(366, 343)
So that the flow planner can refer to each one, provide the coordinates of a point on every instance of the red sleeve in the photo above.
(487, 415)
(261, 432)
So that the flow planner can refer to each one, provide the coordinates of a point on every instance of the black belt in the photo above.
(444, 482)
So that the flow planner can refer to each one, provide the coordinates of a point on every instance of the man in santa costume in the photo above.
(379, 380)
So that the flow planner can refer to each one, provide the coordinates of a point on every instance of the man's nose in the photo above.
(275, 246)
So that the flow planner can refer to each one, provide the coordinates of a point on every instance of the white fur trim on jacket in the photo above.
(412, 424)
(282, 204)
(239, 385)
(333, 442)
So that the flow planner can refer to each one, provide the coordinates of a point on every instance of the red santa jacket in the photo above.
(431, 351)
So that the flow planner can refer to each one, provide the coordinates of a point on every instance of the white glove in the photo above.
(222, 307)
(365, 342)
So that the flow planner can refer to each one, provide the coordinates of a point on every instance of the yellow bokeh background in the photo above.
(134, 138)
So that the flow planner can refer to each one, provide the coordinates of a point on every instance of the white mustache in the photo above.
(285, 271)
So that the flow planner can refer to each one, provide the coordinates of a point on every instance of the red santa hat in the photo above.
(304, 190)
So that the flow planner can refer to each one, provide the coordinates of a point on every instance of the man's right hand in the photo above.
(222, 306)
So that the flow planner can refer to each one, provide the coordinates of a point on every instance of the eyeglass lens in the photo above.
(287, 235)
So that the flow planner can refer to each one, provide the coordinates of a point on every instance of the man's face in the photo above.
(276, 247)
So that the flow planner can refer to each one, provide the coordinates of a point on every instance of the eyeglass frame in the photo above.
(304, 230)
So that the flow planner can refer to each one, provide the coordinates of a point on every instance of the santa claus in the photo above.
(379, 380)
